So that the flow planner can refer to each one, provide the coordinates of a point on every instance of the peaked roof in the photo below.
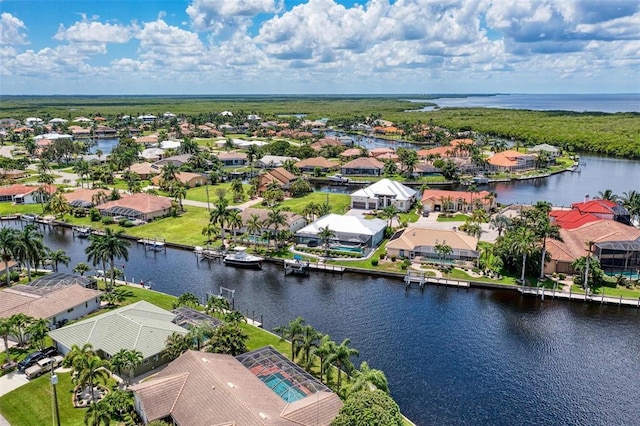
(386, 187)
(438, 195)
(203, 389)
(571, 219)
(345, 224)
(144, 203)
(411, 238)
(317, 162)
(140, 326)
(22, 299)
(364, 163)
(598, 206)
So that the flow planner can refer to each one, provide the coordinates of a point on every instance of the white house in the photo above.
(348, 230)
(382, 194)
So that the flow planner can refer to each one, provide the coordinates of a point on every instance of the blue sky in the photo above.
(319, 46)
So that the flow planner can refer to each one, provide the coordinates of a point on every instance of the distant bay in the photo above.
(609, 103)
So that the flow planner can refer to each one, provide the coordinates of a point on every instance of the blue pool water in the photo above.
(283, 387)
(347, 248)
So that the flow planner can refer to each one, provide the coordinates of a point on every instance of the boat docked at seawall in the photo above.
(480, 179)
(81, 231)
(240, 258)
(339, 179)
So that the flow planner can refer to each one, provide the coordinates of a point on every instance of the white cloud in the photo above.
(95, 32)
(220, 15)
(12, 30)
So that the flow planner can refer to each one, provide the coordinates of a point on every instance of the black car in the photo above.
(49, 352)
(30, 359)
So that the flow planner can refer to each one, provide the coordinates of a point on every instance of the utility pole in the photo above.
(56, 412)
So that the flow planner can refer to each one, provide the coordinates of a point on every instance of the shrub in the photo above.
(374, 262)
(393, 258)
(94, 214)
(562, 276)
(404, 266)
(13, 277)
(107, 220)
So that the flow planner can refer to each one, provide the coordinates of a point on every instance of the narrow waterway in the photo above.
(451, 356)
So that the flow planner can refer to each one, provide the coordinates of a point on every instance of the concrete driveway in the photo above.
(12, 381)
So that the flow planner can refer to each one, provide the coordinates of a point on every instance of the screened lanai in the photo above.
(619, 257)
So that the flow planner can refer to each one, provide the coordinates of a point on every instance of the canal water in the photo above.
(452, 356)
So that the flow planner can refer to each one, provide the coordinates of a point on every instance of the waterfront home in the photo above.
(144, 170)
(57, 297)
(551, 150)
(436, 200)
(512, 161)
(278, 176)
(294, 221)
(377, 152)
(272, 161)
(309, 165)
(425, 169)
(84, 197)
(348, 230)
(571, 219)
(384, 193)
(152, 154)
(176, 160)
(147, 140)
(421, 243)
(188, 179)
(232, 159)
(137, 206)
(105, 132)
(140, 326)
(616, 245)
(326, 142)
(351, 152)
(25, 194)
(258, 387)
(364, 166)
(443, 152)
(604, 209)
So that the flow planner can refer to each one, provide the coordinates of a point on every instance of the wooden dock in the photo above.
(421, 279)
(326, 267)
(153, 244)
(582, 297)
(208, 254)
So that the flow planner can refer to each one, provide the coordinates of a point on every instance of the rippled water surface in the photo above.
(451, 356)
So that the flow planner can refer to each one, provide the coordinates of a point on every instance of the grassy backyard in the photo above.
(338, 202)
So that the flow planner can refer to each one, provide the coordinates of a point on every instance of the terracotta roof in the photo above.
(388, 156)
(182, 177)
(144, 203)
(571, 219)
(364, 163)
(351, 152)
(595, 206)
(379, 151)
(233, 155)
(144, 168)
(573, 244)
(19, 189)
(506, 158)
(85, 195)
(263, 214)
(204, 389)
(442, 151)
(321, 162)
(147, 139)
(457, 142)
(438, 195)
(19, 299)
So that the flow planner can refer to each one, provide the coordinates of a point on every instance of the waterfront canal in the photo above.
(451, 356)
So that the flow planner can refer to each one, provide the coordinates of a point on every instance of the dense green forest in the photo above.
(613, 134)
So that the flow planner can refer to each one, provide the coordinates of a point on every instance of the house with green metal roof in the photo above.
(140, 326)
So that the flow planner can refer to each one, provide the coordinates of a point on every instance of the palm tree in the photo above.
(228, 339)
(325, 347)
(609, 195)
(325, 235)
(114, 297)
(82, 169)
(97, 414)
(119, 361)
(233, 317)
(176, 345)
(109, 246)
(169, 175)
(37, 331)
(187, 299)
(234, 221)
(99, 197)
(291, 332)
(77, 354)
(179, 192)
(29, 248)
(210, 231)
(523, 244)
(8, 240)
(390, 212)
(254, 225)
(237, 190)
(89, 370)
(81, 268)
(19, 324)
(5, 331)
(56, 257)
(369, 379)
(217, 304)
(341, 359)
(499, 223)
(200, 333)
(219, 215)
(307, 340)
(443, 250)
(45, 180)
(276, 219)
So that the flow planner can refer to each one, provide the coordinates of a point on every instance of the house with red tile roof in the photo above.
(351, 152)
(436, 200)
(84, 197)
(604, 209)
(25, 194)
(324, 142)
(365, 166)
(571, 219)
(308, 165)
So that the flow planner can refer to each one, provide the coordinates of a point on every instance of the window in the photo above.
(70, 310)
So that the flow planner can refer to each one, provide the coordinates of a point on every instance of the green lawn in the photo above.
(185, 229)
(199, 193)
(31, 403)
(459, 217)
(11, 209)
(339, 202)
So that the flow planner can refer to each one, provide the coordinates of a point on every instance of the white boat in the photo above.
(239, 257)
(81, 231)
(480, 179)
(338, 178)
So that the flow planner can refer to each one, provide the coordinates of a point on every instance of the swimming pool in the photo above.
(350, 249)
(284, 388)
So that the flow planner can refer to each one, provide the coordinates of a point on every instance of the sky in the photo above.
(213, 47)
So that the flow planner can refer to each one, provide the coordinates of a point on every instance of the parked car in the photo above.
(29, 360)
(50, 351)
(43, 366)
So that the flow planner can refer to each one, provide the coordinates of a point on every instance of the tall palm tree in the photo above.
(169, 175)
(78, 354)
(254, 226)
(82, 169)
(499, 223)
(109, 246)
(89, 370)
(98, 414)
(523, 244)
(210, 231)
(187, 299)
(341, 359)
(176, 345)
(306, 341)
(608, 194)
(81, 268)
(45, 180)
(217, 304)
(237, 190)
(37, 331)
(325, 235)
(8, 240)
(234, 221)
(5, 331)
(29, 248)
(56, 257)
(275, 220)
(292, 333)
(390, 212)
(179, 193)
(19, 324)
(219, 215)
(325, 347)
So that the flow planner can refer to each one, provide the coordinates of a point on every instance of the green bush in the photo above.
(393, 258)
(562, 276)
(13, 277)
(374, 262)
(94, 214)
(107, 220)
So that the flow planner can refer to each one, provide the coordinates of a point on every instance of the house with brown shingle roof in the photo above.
(189, 179)
(365, 166)
(324, 142)
(233, 158)
(309, 165)
(65, 299)
(261, 387)
(144, 170)
(82, 197)
(137, 206)
(12, 174)
(351, 152)
(421, 242)
(280, 176)
(616, 245)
